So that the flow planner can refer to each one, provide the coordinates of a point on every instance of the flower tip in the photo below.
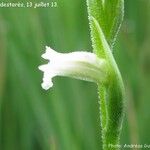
(44, 56)
(47, 47)
(46, 86)
(49, 50)
(42, 67)
(39, 67)
(49, 53)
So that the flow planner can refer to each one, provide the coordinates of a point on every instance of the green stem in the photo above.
(111, 113)
(111, 96)
(111, 93)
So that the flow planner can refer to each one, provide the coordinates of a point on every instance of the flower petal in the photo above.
(80, 65)
(49, 53)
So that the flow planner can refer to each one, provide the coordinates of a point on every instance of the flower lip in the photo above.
(49, 53)
(81, 65)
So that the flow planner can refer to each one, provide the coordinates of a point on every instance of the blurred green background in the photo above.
(66, 117)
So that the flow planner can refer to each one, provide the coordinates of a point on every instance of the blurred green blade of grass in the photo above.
(50, 124)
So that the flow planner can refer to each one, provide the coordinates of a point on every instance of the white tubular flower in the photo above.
(80, 65)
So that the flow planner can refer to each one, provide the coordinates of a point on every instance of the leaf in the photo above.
(109, 14)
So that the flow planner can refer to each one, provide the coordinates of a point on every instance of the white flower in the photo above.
(81, 65)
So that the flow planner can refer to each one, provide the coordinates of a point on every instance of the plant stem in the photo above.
(111, 112)
(111, 93)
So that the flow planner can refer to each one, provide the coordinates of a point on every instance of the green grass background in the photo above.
(66, 117)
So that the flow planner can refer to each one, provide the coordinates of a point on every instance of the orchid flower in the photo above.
(99, 67)
(80, 65)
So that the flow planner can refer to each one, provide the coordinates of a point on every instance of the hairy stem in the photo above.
(105, 18)
(111, 94)
(111, 112)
